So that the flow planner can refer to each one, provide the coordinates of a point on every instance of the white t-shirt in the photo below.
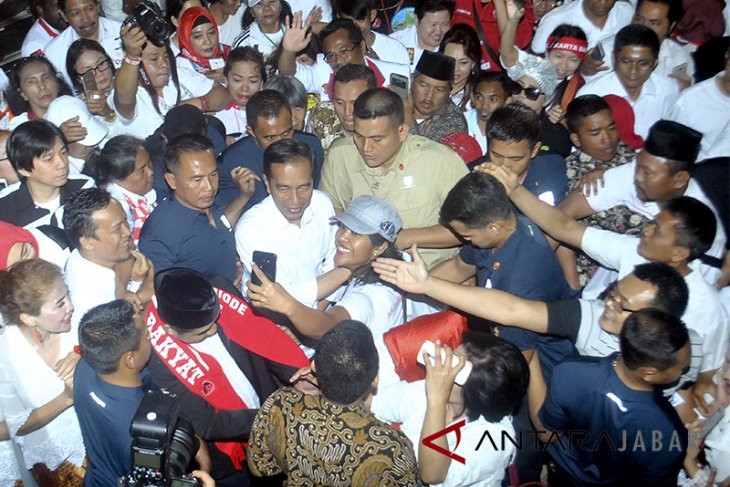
(619, 189)
(704, 314)
(253, 37)
(234, 119)
(190, 80)
(405, 403)
(472, 123)
(231, 28)
(303, 252)
(673, 54)
(306, 6)
(705, 108)
(573, 14)
(316, 77)
(380, 307)
(38, 37)
(109, 38)
(146, 119)
(391, 50)
(409, 38)
(120, 194)
(656, 98)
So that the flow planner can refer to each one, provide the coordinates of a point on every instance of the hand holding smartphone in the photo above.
(430, 348)
(266, 261)
(399, 84)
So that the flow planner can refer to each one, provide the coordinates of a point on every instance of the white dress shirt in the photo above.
(234, 119)
(391, 50)
(303, 252)
(409, 38)
(706, 109)
(198, 84)
(472, 123)
(306, 6)
(654, 102)
(109, 38)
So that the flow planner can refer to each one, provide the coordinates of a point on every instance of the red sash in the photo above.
(203, 375)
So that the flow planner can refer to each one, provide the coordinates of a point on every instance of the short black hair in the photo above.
(106, 332)
(30, 140)
(354, 34)
(582, 107)
(355, 72)
(78, 47)
(567, 30)
(476, 200)
(185, 144)
(346, 361)
(173, 9)
(283, 151)
(514, 123)
(357, 9)
(675, 8)
(116, 160)
(696, 227)
(245, 54)
(78, 213)
(651, 338)
(672, 293)
(425, 6)
(183, 119)
(267, 104)
(495, 77)
(380, 102)
(62, 4)
(637, 35)
(498, 380)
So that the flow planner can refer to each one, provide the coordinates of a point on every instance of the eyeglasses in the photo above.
(530, 93)
(332, 56)
(99, 68)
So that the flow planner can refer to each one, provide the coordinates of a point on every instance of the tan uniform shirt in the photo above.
(416, 184)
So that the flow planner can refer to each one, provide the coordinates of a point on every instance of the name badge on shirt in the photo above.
(216, 63)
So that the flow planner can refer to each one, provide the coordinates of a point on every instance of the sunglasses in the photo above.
(530, 93)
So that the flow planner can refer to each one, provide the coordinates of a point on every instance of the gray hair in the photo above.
(291, 88)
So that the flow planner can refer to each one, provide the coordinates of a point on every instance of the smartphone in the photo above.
(430, 348)
(598, 53)
(399, 84)
(267, 263)
(88, 82)
(680, 70)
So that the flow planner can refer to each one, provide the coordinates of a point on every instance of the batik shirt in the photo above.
(445, 122)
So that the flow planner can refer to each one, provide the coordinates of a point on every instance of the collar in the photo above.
(358, 165)
(273, 212)
(47, 27)
(91, 269)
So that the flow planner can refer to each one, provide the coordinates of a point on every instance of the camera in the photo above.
(148, 17)
(163, 443)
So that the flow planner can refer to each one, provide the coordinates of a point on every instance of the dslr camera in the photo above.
(148, 17)
(163, 443)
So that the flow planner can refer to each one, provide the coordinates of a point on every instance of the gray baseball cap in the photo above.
(368, 215)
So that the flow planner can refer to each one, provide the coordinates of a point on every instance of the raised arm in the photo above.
(511, 14)
(126, 81)
(551, 220)
(489, 304)
(296, 38)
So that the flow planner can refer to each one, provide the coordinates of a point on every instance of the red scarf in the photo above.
(203, 375)
(185, 29)
(140, 212)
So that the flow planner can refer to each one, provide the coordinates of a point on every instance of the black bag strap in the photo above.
(482, 37)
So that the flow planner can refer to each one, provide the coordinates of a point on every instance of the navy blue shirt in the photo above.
(526, 267)
(628, 437)
(177, 236)
(105, 414)
(246, 153)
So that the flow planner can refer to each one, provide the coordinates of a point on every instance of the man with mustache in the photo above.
(434, 115)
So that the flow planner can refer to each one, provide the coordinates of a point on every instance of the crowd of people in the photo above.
(359, 242)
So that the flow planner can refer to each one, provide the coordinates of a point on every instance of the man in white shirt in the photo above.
(342, 43)
(433, 20)
(97, 226)
(705, 107)
(675, 60)
(635, 56)
(46, 27)
(84, 22)
(293, 222)
(600, 20)
(661, 172)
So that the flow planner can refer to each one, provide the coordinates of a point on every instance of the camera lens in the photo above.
(183, 446)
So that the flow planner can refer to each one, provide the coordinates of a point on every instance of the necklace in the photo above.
(269, 38)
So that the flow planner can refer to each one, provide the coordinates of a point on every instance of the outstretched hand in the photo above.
(298, 34)
(408, 276)
(269, 295)
(507, 177)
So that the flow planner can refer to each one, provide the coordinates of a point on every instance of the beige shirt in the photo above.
(416, 184)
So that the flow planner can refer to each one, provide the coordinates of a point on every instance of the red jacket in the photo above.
(464, 14)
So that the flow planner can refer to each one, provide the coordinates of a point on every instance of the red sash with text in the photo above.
(202, 374)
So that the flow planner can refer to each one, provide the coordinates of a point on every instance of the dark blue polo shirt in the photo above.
(245, 153)
(526, 267)
(177, 236)
(614, 435)
(105, 414)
